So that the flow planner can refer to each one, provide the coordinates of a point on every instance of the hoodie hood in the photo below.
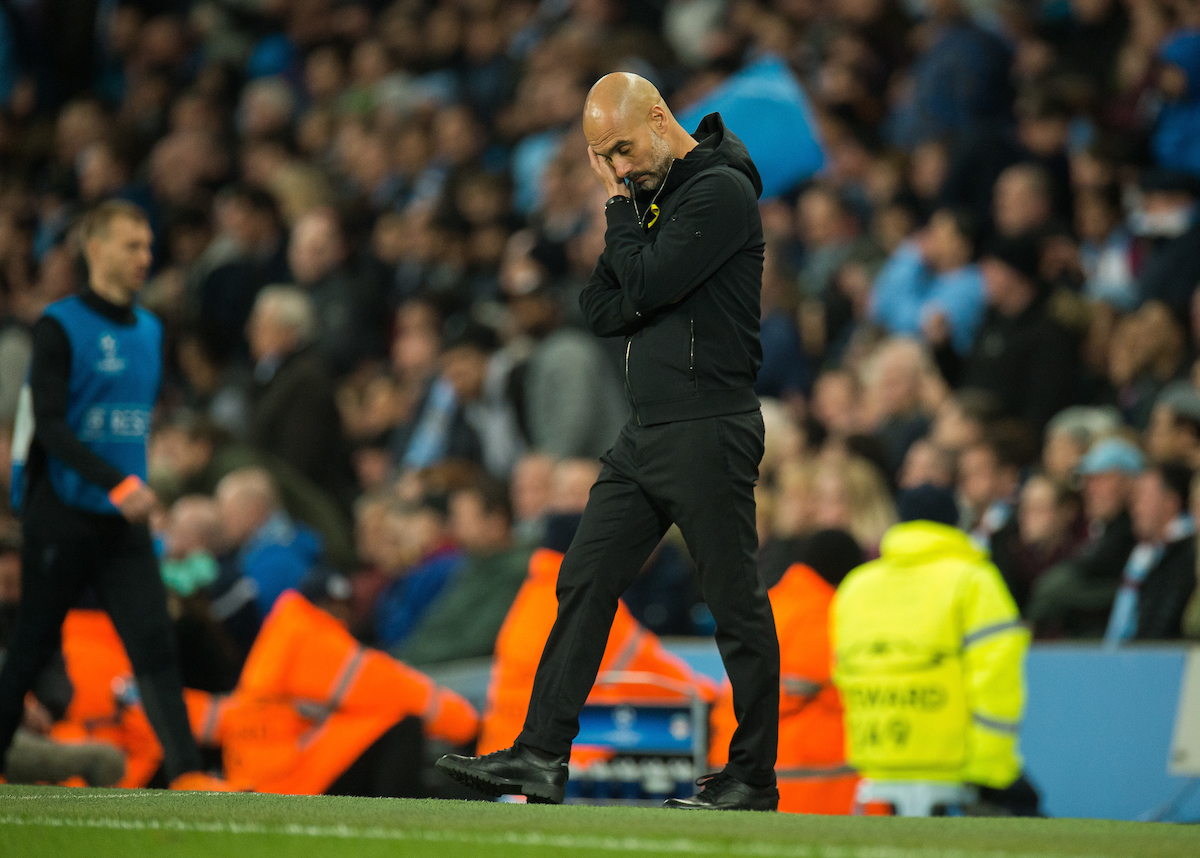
(718, 147)
(1183, 50)
(917, 542)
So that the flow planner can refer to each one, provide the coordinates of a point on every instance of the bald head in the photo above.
(618, 97)
(627, 123)
(193, 525)
(245, 500)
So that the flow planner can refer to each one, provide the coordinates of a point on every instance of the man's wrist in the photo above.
(616, 198)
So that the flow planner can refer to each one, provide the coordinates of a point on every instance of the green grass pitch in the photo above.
(47, 821)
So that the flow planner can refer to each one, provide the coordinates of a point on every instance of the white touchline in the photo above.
(514, 838)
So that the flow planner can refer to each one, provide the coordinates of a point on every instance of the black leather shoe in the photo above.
(513, 771)
(725, 792)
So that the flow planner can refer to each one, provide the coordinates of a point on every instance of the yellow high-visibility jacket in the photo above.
(929, 656)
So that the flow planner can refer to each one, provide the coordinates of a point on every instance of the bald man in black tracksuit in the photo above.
(679, 279)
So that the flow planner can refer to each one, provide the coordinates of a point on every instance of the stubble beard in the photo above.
(660, 153)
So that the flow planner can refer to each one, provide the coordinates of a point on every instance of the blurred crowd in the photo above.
(372, 223)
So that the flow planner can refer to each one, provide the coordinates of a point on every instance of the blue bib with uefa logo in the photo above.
(115, 374)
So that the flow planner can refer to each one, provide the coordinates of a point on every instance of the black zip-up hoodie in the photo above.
(680, 278)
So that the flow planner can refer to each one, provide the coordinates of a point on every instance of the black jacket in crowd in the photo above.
(680, 278)
(1027, 360)
(1165, 592)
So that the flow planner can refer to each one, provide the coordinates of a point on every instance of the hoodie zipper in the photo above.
(628, 383)
(692, 347)
(629, 342)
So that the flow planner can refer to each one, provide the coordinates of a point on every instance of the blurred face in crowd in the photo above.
(465, 367)
(409, 536)
(475, 529)
(193, 524)
(1095, 217)
(981, 478)
(316, 248)
(943, 246)
(831, 500)
(820, 218)
(1152, 506)
(926, 465)
(532, 481)
(119, 258)
(952, 429)
(1020, 201)
(1105, 495)
(267, 336)
(894, 382)
(836, 402)
(1007, 289)
(571, 484)
(417, 340)
(243, 505)
(1062, 454)
(1043, 519)
(1167, 437)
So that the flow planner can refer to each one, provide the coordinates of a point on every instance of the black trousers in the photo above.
(117, 560)
(699, 474)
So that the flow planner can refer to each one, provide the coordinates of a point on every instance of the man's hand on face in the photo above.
(613, 186)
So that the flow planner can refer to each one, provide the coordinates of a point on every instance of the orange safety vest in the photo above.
(311, 700)
(519, 649)
(98, 667)
(811, 768)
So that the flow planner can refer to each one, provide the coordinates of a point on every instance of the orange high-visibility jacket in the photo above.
(811, 768)
(311, 699)
(98, 666)
(523, 636)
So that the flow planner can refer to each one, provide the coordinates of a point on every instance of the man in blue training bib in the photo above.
(79, 470)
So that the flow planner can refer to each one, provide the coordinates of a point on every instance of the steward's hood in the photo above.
(718, 146)
(915, 542)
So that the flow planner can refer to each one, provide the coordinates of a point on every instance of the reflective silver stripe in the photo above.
(434, 706)
(627, 652)
(801, 686)
(209, 731)
(232, 601)
(1010, 727)
(987, 631)
(348, 675)
(320, 712)
(815, 772)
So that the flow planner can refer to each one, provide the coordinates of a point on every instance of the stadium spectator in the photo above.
(1174, 431)
(850, 493)
(1075, 597)
(464, 620)
(349, 309)
(570, 401)
(293, 414)
(273, 552)
(989, 476)
(1021, 354)
(421, 563)
(892, 397)
(1046, 532)
(1168, 230)
(929, 287)
(1160, 574)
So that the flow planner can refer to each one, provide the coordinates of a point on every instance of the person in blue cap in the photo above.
(1074, 598)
